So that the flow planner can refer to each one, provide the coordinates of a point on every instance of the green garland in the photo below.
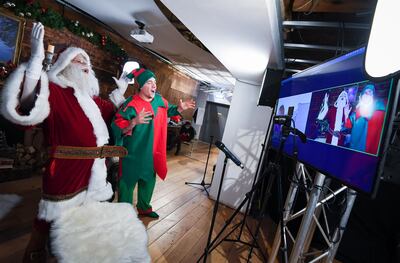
(48, 17)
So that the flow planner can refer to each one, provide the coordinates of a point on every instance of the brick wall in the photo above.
(172, 84)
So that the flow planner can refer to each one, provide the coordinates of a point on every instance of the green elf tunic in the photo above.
(146, 145)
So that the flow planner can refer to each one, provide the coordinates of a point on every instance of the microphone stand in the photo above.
(203, 183)
(208, 246)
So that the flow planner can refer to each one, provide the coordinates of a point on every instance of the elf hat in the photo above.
(141, 75)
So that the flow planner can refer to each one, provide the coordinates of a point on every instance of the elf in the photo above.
(140, 125)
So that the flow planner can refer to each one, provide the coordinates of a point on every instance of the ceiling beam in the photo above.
(298, 60)
(292, 70)
(321, 24)
(316, 47)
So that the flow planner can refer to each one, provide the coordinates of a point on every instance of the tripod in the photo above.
(275, 172)
(272, 170)
(203, 183)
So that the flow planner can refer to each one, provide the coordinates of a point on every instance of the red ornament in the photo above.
(30, 2)
(43, 10)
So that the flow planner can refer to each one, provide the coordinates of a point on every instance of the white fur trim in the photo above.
(10, 99)
(100, 232)
(50, 210)
(99, 189)
(117, 98)
(93, 113)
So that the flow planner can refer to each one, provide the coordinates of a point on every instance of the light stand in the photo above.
(275, 171)
(203, 183)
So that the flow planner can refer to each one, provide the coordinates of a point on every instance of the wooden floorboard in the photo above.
(179, 235)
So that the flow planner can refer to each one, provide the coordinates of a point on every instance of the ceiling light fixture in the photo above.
(141, 35)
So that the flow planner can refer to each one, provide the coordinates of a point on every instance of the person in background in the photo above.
(140, 125)
(186, 134)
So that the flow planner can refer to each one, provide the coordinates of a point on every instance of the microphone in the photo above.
(229, 154)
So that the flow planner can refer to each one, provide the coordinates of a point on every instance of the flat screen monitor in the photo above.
(344, 116)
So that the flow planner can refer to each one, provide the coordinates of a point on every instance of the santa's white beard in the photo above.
(366, 108)
(85, 82)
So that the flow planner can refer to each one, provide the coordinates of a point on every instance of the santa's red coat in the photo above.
(68, 125)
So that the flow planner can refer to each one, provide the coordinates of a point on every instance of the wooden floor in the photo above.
(179, 235)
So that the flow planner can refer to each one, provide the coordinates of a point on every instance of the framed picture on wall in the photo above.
(12, 29)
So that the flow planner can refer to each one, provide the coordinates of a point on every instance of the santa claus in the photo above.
(366, 121)
(336, 116)
(65, 102)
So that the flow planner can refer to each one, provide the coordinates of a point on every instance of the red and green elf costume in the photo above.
(146, 144)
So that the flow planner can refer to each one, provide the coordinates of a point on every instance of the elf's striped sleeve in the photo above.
(173, 110)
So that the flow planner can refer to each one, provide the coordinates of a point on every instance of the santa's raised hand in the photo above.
(37, 34)
(324, 108)
(346, 111)
(122, 83)
(34, 67)
(185, 105)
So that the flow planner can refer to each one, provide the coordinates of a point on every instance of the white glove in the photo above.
(122, 83)
(34, 67)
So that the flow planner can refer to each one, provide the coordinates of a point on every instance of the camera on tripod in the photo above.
(285, 121)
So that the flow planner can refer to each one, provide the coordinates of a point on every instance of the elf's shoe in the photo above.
(148, 213)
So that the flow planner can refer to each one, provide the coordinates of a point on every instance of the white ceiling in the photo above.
(242, 35)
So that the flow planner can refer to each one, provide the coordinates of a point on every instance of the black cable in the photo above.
(295, 150)
(344, 208)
